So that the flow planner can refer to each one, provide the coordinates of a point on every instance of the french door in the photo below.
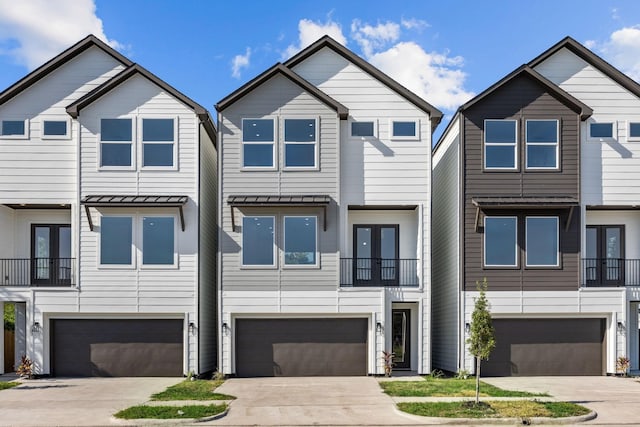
(51, 254)
(605, 263)
(375, 254)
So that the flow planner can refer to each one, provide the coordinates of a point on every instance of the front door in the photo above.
(50, 254)
(401, 338)
(375, 255)
(605, 263)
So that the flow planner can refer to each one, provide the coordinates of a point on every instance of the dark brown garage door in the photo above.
(546, 347)
(301, 347)
(116, 347)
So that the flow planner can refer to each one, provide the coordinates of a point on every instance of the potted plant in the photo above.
(25, 368)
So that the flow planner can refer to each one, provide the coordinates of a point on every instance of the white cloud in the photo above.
(374, 37)
(310, 31)
(239, 62)
(34, 31)
(414, 24)
(622, 50)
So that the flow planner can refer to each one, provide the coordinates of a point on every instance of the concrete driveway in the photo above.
(75, 401)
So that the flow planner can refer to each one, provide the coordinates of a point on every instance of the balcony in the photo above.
(610, 272)
(356, 272)
(37, 271)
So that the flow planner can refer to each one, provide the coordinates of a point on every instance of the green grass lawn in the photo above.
(168, 412)
(193, 390)
(449, 387)
(8, 384)
(503, 409)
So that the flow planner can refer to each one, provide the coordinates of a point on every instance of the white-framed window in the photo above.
(633, 131)
(116, 143)
(158, 240)
(14, 128)
(56, 128)
(542, 236)
(258, 143)
(500, 241)
(500, 144)
(602, 131)
(116, 241)
(159, 142)
(363, 129)
(300, 139)
(258, 241)
(300, 240)
(407, 129)
(542, 138)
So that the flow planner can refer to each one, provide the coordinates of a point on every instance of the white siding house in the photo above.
(106, 171)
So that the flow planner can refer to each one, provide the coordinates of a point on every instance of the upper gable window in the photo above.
(55, 129)
(405, 129)
(17, 129)
(634, 131)
(258, 143)
(300, 143)
(500, 137)
(363, 129)
(602, 131)
(158, 142)
(542, 144)
(116, 141)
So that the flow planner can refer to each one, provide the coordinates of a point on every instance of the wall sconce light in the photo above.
(379, 327)
(225, 328)
(620, 327)
(467, 327)
(36, 328)
(192, 328)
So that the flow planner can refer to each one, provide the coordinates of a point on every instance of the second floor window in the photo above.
(116, 240)
(500, 241)
(300, 237)
(116, 143)
(300, 143)
(258, 244)
(500, 144)
(158, 240)
(258, 143)
(542, 144)
(158, 142)
(542, 239)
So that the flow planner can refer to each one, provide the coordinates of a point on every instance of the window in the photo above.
(55, 129)
(300, 236)
(634, 131)
(363, 128)
(116, 240)
(158, 142)
(116, 141)
(258, 241)
(17, 129)
(404, 129)
(158, 240)
(542, 144)
(500, 241)
(500, 144)
(542, 241)
(258, 141)
(601, 131)
(300, 143)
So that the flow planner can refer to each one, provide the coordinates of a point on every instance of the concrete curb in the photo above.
(170, 421)
(398, 399)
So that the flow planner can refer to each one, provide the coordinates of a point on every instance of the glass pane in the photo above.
(601, 130)
(542, 241)
(362, 128)
(13, 127)
(257, 240)
(541, 156)
(64, 252)
(542, 131)
(55, 128)
(258, 155)
(499, 157)
(115, 240)
(592, 243)
(300, 130)
(634, 130)
(500, 241)
(388, 243)
(612, 243)
(299, 155)
(300, 240)
(42, 240)
(115, 154)
(404, 128)
(399, 336)
(157, 154)
(257, 130)
(158, 240)
(115, 130)
(157, 130)
(500, 131)
(363, 253)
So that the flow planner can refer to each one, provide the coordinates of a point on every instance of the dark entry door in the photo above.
(401, 330)
(375, 255)
(605, 264)
(51, 254)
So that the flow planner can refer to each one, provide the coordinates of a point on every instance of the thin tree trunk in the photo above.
(477, 380)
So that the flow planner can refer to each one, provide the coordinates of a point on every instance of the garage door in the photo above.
(546, 347)
(301, 347)
(116, 347)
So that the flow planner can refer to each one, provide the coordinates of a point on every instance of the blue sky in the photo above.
(445, 51)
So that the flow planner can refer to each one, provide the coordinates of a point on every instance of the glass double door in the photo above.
(51, 254)
(375, 255)
(605, 262)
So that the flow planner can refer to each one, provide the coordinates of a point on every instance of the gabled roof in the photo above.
(326, 41)
(593, 59)
(575, 104)
(57, 62)
(342, 111)
(135, 69)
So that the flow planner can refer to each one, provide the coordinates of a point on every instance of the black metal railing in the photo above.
(610, 272)
(379, 272)
(37, 271)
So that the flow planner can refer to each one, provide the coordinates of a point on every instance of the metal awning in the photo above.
(280, 201)
(143, 201)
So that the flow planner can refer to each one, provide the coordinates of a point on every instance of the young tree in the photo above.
(482, 338)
